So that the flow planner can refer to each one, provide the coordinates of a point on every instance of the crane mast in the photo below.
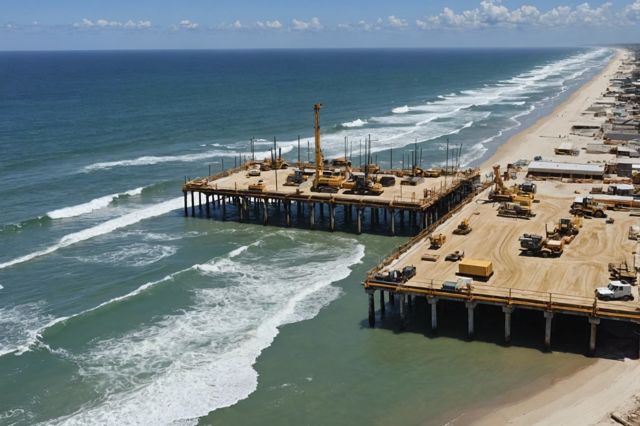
(319, 160)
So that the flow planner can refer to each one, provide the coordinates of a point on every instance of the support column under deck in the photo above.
(372, 308)
(382, 307)
(593, 322)
(433, 302)
(471, 306)
(508, 310)
(548, 316)
(193, 205)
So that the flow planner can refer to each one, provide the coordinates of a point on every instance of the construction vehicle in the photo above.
(258, 186)
(463, 227)
(323, 181)
(432, 173)
(437, 240)
(296, 178)
(502, 193)
(528, 187)
(622, 271)
(515, 210)
(565, 228)
(537, 245)
(615, 290)
(634, 231)
(363, 185)
(586, 206)
(253, 171)
(396, 276)
(462, 284)
(455, 256)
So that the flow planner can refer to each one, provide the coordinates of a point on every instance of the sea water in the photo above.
(116, 309)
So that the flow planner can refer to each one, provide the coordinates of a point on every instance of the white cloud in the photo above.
(271, 25)
(186, 24)
(105, 23)
(396, 22)
(312, 25)
(492, 13)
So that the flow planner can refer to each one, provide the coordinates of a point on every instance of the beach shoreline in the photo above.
(590, 394)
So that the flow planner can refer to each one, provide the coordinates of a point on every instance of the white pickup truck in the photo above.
(616, 290)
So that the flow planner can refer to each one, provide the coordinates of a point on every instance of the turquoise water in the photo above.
(115, 309)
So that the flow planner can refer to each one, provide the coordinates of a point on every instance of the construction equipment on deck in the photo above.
(273, 162)
(437, 240)
(463, 227)
(258, 186)
(622, 271)
(455, 256)
(586, 206)
(296, 178)
(323, 181)
(565, 227)
(397, 276)
(500, 192)
(362, 184)
(515, 210)
(537, 245)
(528, 187)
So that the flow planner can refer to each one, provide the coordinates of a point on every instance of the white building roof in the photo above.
(565, 168)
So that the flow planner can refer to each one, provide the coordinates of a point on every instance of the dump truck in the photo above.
(397, 276)
(475, 268)
(615, 290)
(437, 240)
(515, 210)
(537, 245)
(586, 206)
(463, 227)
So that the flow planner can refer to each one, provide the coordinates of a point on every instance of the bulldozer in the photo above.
(258, 186)
(363, 185)
(537, 245)
(515, 210)
(586, 206)
(463, 227)
(502, 193)
(437, 240)
(432, 173)
(296, 178)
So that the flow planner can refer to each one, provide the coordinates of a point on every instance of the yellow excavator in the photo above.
(323, 181)
(463, 227)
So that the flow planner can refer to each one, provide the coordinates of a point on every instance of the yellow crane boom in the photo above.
(319, 160)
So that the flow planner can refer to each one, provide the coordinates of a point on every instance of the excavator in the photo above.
(502, 193)
(437, 240)
(463, 227)
(323, 181)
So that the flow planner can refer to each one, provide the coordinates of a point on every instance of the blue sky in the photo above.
(161, 24)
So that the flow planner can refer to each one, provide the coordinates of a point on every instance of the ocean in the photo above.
(116, 309)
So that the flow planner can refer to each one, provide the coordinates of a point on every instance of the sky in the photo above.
(233, 24)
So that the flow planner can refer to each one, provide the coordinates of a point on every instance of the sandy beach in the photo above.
(591, 395)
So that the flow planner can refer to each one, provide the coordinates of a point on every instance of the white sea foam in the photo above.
(101, 229)
(184, 158)
(354, 123)
(400, 110)
(213, 345)
(19, 326)
(137, 254)
(88, 207)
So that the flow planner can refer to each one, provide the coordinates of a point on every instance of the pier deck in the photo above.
(564, 285)
(424, 203)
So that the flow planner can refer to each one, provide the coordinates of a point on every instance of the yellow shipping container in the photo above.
(475, 267)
